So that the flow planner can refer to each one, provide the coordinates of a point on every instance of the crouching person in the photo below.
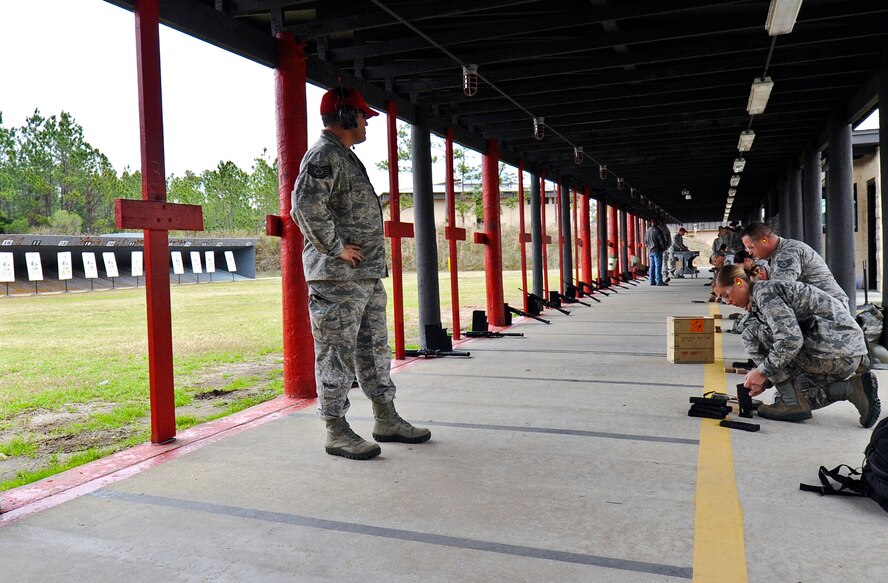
(803, 341)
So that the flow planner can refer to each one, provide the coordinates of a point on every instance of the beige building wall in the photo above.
(866, 171)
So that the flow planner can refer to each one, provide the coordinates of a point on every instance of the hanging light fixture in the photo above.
(602, 171)
(470, 80)
(732, 192)
(739, 164)
(735, 180)
(782, 16)
(746, 139)
(620, 184)
(758, 95)
(633, 193)
(539, 128)
(578, 155)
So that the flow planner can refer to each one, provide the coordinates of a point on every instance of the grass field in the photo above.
(74, 373)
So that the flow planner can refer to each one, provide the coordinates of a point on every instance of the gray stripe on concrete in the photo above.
(547, 430)
(566, 351)
(550, 379)
(393, 533)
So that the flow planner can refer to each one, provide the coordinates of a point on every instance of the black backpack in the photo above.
(873, 480)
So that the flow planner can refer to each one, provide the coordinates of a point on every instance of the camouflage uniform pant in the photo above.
(350, 340)
(810, 375)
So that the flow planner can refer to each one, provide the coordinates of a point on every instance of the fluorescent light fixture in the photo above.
(758, 95)
(782, 16)
(578, 154)
(739, 164)
(746, 139)
(732, 192)
(735, 180)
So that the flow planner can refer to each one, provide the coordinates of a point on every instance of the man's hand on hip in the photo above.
(352, 254)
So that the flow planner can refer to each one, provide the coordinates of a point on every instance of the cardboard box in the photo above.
(690, 355)
(689, 325)
(692, 341)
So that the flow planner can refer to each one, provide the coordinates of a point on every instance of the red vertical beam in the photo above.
(521, 236)
(395, 211)
(451, 222)
(613, 235)
(576, 255)
(630, 236)
(493, 253)
(157, 252)
(586, 234)
(544, 236)
(558, 211)
(292, 139)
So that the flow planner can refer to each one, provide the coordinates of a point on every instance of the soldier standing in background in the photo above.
(340, 216)
(666, 260)
(805, 342)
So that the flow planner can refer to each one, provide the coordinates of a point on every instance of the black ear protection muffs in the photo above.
(346, 115)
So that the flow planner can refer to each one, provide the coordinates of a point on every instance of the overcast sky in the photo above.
(79, 56)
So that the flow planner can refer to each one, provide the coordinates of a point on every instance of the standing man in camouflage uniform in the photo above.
(666, 259)
(338, 211)
(803, 341)
(791, 260)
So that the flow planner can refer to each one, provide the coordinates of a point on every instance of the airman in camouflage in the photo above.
(803, 341)
(791, 260)
(340, 216)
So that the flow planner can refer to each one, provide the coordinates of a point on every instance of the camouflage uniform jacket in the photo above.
(334, 204)
(795, 261)
(797, 317)
(678, 243)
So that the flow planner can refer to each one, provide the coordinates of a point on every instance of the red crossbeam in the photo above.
(156, 215)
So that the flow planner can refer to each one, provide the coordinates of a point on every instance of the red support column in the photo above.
(586, 234)
(630, 236)
(156, 217)
(613, 236)
(395, 233)
(157, 275)
(292, 139)
(493, 254)
(546, 238)
(558, 211)
(576, 255)
(451, 233)
(523, 237)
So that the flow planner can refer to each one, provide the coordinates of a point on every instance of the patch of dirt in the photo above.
(50, 430)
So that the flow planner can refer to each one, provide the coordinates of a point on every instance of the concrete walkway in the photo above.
(563, 456)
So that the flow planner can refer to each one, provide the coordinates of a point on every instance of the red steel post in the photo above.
(522, 238)
(292, 140)
(395, 212)
(558, 211)
(630, 236)
(586, 234)
(157, 252)
(613, 236)
(493, 253)
(576, 255)
(450, 192)
(544, 236)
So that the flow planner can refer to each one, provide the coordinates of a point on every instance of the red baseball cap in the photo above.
(335, 99)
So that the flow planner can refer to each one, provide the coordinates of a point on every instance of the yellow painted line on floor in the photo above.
(719, 550)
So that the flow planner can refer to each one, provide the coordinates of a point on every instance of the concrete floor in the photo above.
(566, 455)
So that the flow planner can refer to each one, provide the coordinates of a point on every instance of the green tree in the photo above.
(64, 222)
